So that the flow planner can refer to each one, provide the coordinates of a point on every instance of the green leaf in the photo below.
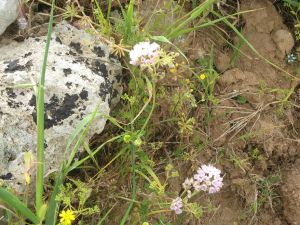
(53, 205)
(42, 212)
(13, 202)
(240, 99)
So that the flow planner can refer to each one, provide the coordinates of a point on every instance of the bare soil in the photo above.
(261, 124)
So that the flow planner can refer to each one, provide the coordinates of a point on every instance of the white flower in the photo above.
(144, 53)
(176, 205)
(188, 183)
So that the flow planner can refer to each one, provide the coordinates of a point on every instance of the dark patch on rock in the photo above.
(67, 71)
(85, 78)
(105, 89)
(72, 53)
(57, 39)
(98, 51)
(84, 94)
(10, 93)
(27, 54)
(119, 77)
(100, 69)
(82, 108)
(115, 93)
(28, 65)
(113, 56)
(10, 156)
(53, 69)
(55, 112)
(32, 101)
(13, 104)
(76, 46)
(14, 66)
(69, 84)
(11, 96)
(7, 176)
(59, 113)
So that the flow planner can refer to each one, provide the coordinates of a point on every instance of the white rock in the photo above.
(8, 13)
(80, 74)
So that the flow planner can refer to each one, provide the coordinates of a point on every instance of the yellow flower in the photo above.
(67, 217)
(202, 76)
(173, 70)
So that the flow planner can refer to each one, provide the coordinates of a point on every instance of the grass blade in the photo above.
(105, 216)
(13, 202)
(195, 13)
(53, 205)
(129, 19)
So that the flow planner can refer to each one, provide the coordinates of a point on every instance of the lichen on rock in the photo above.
(80, 75)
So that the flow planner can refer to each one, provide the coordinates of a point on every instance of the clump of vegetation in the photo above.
(158, 125)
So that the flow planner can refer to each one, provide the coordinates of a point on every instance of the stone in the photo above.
(81, 73)
(8, 13)
(284, 41)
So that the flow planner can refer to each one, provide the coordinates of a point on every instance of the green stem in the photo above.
(153, 106)
(125, 217)
(40, 121)
(133, 148)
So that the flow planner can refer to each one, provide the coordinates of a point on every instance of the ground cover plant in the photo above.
(207, 128)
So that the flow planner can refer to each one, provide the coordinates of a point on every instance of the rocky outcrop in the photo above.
(81, 74)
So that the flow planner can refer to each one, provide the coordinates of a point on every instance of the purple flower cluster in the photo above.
(176, 205)
(144, 53)
(208, 178)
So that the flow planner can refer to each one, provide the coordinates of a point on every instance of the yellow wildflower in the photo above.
(173, 70)
(202, 76)
(67, 217)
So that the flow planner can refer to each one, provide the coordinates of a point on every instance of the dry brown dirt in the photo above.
(263, 124)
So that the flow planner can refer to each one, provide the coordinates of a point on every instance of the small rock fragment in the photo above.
(8, 13)
(284, 41)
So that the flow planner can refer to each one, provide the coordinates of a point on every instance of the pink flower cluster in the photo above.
(144, 53)
(208, 178)
(176, 205)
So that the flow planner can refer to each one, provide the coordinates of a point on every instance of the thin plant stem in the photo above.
(133, 184)
(40, 120)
